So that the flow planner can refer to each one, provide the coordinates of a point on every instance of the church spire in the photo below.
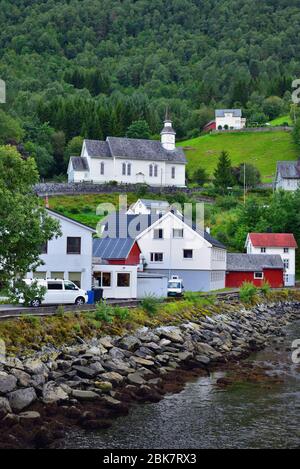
(168, 134)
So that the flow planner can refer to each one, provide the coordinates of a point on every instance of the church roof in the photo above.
(79, 164)
(132, 148)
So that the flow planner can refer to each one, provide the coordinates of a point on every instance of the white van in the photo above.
(175, 286)
(59, 292)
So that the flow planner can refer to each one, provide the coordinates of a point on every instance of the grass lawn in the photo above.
(281, 120)
(262, 149)
(83, 207)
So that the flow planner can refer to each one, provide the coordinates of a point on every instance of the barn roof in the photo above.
(273, 240)
(253, 262)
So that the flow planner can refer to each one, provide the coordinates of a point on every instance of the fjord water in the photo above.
(205, 416)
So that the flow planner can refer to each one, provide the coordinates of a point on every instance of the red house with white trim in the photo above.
(209, 126)
(254, 268)
(282, 244)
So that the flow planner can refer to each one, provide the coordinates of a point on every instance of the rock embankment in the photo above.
(91, 382)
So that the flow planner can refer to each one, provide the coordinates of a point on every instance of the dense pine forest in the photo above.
(91, 68)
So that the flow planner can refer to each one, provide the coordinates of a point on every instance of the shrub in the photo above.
(248, 292)
(121, 313)
(104, 312)
(150, 305)
(60, 312)
(266, 288)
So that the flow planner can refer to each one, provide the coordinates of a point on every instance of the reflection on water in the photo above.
(205, 416)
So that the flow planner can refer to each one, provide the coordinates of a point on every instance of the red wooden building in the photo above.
(209, 126)
(254, 268)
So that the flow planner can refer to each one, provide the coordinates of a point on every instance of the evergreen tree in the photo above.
(223, 174)
(138, 129)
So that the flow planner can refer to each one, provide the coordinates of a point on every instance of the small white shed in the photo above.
(152, 285)
(117, 281)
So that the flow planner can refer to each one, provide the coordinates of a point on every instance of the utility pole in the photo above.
(244, 183)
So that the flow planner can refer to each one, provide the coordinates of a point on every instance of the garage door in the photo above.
(150, 286)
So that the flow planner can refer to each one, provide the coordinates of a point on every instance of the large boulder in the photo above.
(22, 398)
(112, 377)
(84, 395)
(35, 367)
(117, 365)
(7, 383)
(85, 371)
(136, 378)
(130, 342)
(172, 333)
(53, 393)
(24, 379)
(4, 406)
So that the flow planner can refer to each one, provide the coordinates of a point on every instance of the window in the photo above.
(151, 170)
(173, 172)
(44, 248)
(55, 285)
(75, 277)
(286, 250)
(286, 279)
(188, 254)
(177, 233)
(157, 257)
(158, 234)
(57, 275)
(286, 263)
(155, 171)
(258, 275)
(104, 279)
(263, 250)
(123, 280)
(40, 275)
(129, 169)
(124, 169)
(73, 245)
(70, 286)
(102, 169)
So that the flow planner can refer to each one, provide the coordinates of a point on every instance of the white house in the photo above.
(287, 175)
(171, 246)
(147, 206)
(283, 244)
(131, 161)
(68, 257)
(229, 119)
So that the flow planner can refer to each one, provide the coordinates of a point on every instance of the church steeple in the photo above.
(168, 134)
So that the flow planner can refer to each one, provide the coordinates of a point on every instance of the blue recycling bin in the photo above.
(91, 297)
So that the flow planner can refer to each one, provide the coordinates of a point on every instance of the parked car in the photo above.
(59, 292)
(175, 287)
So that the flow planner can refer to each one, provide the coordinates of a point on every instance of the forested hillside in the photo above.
(92, 67)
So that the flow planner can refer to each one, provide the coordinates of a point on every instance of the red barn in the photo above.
(209, 126)
(117, 251)
(254, 268)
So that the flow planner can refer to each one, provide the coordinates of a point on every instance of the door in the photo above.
(55, 292)
(70, 292)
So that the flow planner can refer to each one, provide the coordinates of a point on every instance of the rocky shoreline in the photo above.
(92, 382)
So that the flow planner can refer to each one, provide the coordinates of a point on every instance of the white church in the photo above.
(131, 161)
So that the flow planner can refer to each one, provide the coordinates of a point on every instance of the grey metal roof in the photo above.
(97, 149)
(112, 248)
(234, 112)
(253, 262)
(119, 225)
(155, 203)
(139, 149)
(289, 169)
(79, 164)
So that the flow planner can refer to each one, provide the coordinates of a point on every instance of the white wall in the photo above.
(57, 259)
(114, 291)
(288, 184)
(231, 121)
(172, 248)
